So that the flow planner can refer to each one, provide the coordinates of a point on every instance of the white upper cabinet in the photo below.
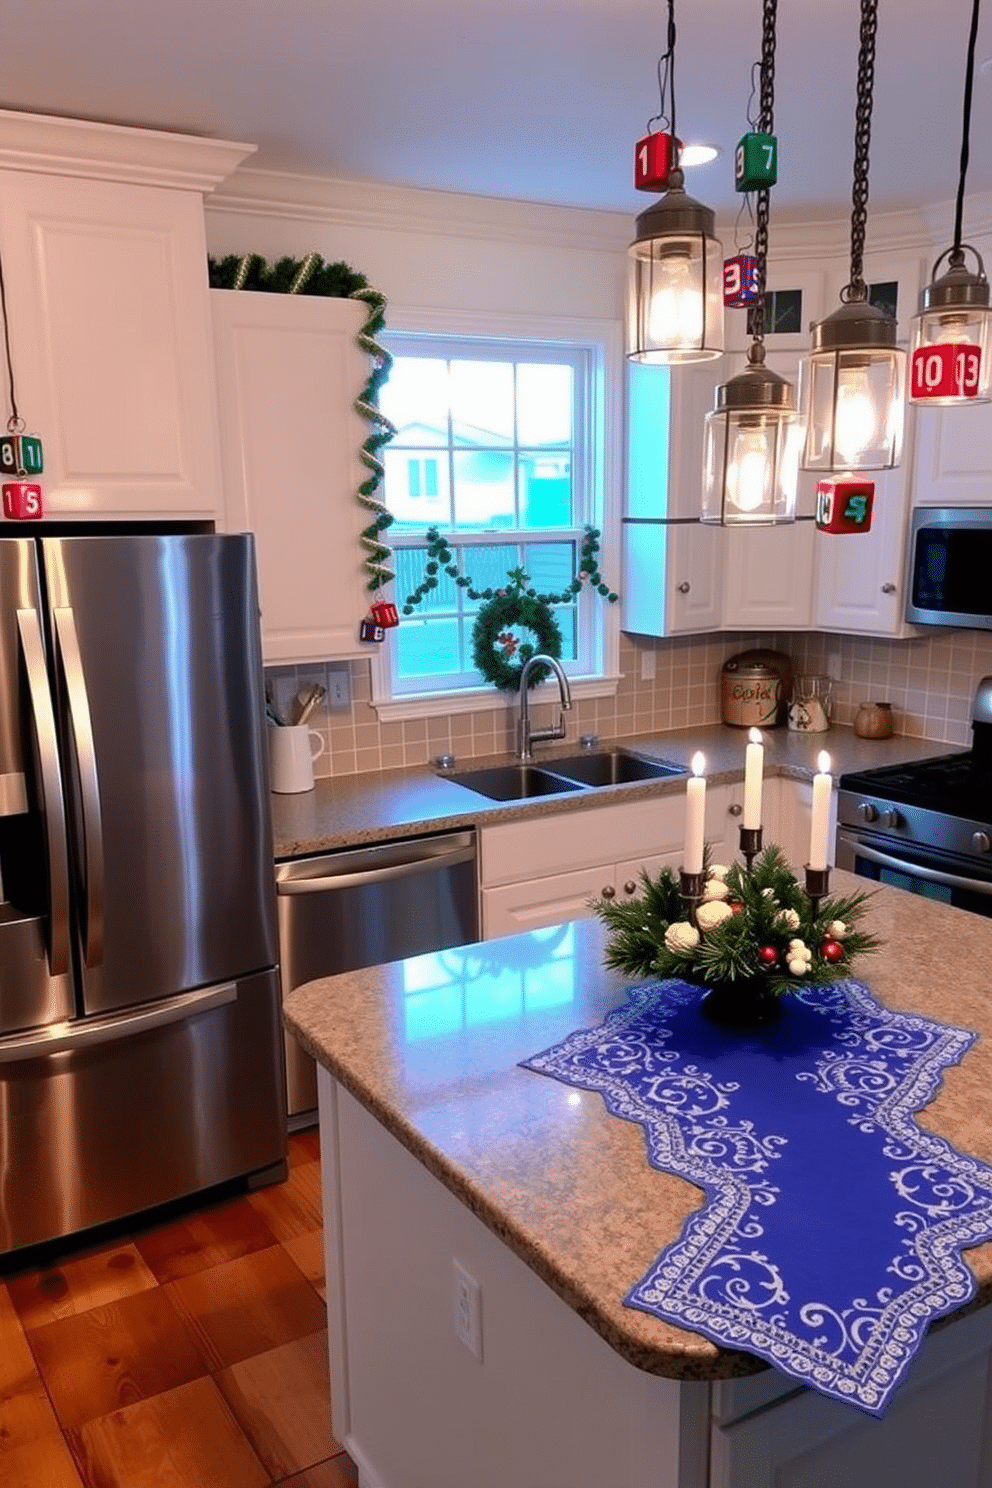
(289, 370)
(672, 563)
(105, 270)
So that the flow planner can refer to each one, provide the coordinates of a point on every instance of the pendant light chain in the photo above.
(766, 125)
(956, 256)
(862, 140)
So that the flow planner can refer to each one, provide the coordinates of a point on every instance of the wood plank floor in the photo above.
(187, 1354)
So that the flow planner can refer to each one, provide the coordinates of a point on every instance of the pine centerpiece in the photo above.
(756, 927)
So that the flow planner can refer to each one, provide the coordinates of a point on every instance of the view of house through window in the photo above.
(492, 447)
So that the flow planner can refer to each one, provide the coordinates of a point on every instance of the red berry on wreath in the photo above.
(832, 950)
(736, 906)
(767, 955)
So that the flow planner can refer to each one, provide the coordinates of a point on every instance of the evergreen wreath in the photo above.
(493, 643)
(312, 276)
(757, 923)
(499, 654)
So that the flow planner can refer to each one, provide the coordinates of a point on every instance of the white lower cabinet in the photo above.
(523, 887)
(936, 1431)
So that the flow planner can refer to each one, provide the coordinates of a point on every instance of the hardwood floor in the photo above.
(187, 1354)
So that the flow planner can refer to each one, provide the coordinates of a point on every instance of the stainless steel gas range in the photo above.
(926, 826)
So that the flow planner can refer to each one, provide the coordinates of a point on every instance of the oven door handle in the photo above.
(914, 870)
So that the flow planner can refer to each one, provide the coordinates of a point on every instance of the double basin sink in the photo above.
(525, 781)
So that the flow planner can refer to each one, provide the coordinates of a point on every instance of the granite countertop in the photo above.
(565, 1185)
(382, 804)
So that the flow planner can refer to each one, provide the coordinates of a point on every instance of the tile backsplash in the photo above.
(929, 680)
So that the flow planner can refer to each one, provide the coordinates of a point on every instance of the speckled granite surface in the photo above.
(564, 1184)
(399, 803)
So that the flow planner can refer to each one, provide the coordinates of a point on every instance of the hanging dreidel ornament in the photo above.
(21, 457)
(755, 162)
(655, 157)
(951, 360)
(741, 281)
(382, 616)
(844, 505)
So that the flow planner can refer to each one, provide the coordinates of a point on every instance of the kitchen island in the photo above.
(439, 1149)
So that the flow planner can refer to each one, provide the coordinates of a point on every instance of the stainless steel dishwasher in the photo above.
(363, 906)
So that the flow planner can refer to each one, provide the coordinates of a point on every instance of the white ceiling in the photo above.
(540, 100)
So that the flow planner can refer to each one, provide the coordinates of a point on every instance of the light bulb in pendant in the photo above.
(675, 317)
(748, 469)
(856, 423)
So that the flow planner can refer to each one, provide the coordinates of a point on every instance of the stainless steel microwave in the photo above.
(950, 567)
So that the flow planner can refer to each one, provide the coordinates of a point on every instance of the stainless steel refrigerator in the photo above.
(140, 1046)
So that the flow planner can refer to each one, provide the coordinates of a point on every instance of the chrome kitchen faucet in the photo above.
(525, 736)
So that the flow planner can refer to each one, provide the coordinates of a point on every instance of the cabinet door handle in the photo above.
(630, 887)
(684, 587)
(609, 892)
(888, 588)
(735, 810)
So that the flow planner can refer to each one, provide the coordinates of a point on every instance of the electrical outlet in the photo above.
(833, 665)
(338, 687)
(468, 1311)
(647, 665)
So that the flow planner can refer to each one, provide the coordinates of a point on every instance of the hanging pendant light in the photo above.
(851, 384)
(675, 266)
(753, 436)
(951, 361)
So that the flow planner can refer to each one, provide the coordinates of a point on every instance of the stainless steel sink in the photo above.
(514, 782)
(555, 777)
(612, 767)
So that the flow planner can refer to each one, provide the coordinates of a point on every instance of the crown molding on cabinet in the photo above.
(264, 193)
(111, 152)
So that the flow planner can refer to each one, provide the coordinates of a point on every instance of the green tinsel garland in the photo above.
(312, 276)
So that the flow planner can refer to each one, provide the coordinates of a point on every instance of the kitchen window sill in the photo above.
(484, 699)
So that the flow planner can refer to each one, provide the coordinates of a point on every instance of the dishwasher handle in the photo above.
(461, 850)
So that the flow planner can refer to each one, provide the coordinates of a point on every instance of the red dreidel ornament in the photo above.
(950, 369)
(655, 157)
(844, 505)
(384, 614)
(740, 281)
(22, 501)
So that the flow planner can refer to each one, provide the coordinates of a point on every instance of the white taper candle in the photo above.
(819, 832)
(695, 816)
(754, 764)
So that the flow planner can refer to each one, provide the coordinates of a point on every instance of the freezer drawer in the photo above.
(365, 906)
(112, 1122)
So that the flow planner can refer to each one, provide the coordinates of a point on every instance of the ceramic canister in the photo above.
(751, 693)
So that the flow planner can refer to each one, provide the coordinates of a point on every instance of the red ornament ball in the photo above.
(767, 955)
(832, 950)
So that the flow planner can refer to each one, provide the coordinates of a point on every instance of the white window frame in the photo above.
(604, 341)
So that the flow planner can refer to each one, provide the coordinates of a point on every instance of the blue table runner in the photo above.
(833, 1222)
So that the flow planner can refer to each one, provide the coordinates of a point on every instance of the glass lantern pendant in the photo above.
(675, 284)
(951, 361)
(851, 389)
(752, 442)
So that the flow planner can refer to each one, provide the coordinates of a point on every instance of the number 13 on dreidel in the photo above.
(951, 370)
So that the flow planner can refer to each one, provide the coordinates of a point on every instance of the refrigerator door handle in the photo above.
(33, 651)
(63, 1038)
(89, 784)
